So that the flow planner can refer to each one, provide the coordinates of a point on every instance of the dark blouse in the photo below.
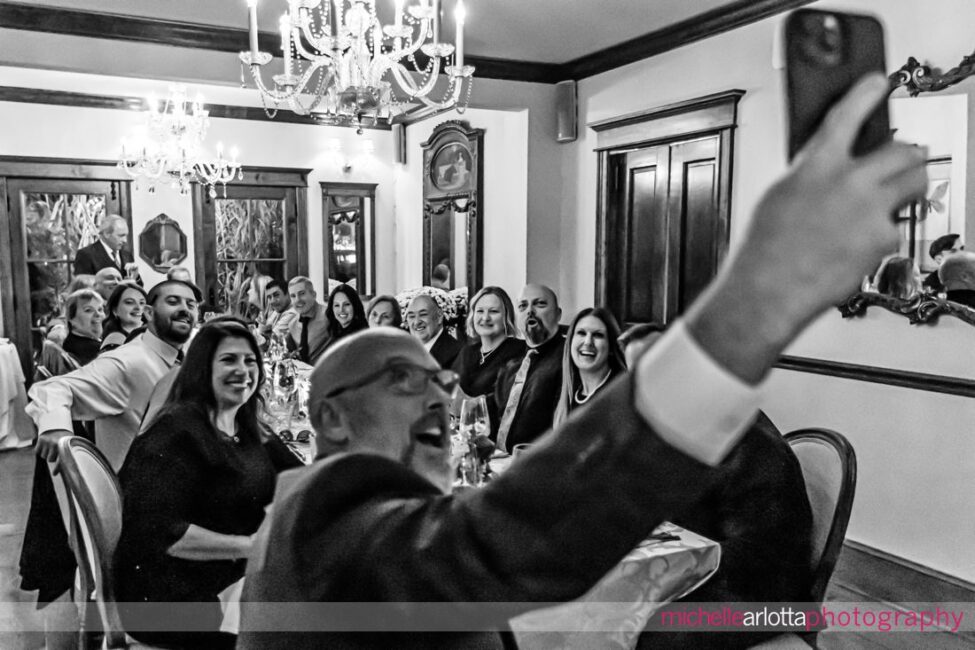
(82, 348)
(574, 402)
(183, 471)
(478, 378)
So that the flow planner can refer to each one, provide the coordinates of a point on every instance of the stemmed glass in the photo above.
(473, 424)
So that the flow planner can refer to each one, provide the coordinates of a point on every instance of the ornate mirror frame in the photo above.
(351, 204)
(925, 309)
(453, 184)
(160, 236)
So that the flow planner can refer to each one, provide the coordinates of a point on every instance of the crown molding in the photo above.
(56, 20)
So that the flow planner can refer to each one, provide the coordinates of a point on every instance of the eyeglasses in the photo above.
(407, 379)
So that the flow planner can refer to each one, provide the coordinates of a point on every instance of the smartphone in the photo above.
(826, 53)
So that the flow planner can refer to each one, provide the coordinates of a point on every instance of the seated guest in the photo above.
(371, 524)
(491, 327)
(899, 278)
(277, 316)
(84, 311)
(106, 280)
(194, 487)
(179, 273)
(345, 313)
(527, 390)
(940, 250)
(308, 333)
(384, 311)
(425, 320)
(637, 339)
(57, 328)
(958, 277)
(126, 309)
(592, 358)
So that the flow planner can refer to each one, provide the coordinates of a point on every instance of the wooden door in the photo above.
(665, 229)
(49, 220)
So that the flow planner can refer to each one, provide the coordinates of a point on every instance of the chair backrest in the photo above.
(96, 515)
(829, 468)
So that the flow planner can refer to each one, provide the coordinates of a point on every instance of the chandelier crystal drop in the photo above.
(341, 62)
(172, 148)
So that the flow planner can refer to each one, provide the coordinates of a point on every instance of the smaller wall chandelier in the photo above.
(338, 54)
(173, 149)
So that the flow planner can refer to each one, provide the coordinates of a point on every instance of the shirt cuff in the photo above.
(690, 401)
(49, 420)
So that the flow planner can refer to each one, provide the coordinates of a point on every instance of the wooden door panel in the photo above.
(645, 287)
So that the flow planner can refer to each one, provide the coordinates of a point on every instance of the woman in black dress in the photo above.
(491, 327)
(194, 489)
(346, 314)
(592, 358)
(124, 314)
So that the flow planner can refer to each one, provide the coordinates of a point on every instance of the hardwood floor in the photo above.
(16, 470)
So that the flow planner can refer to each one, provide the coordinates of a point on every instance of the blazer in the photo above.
(446, 349)
(92, 258)
(365, 530)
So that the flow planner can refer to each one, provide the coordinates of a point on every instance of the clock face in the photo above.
(452, 168)
(344, 202)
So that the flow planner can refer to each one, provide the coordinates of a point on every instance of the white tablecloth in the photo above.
(16, 429)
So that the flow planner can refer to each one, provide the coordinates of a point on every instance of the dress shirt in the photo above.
(539, 394)
(113, 255)
(113, 390)
(277, 322)
(429, 344)
(318, 335)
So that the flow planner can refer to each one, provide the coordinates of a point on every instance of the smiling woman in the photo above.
(195, 485)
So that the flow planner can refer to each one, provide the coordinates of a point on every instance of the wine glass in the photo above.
(473, 425)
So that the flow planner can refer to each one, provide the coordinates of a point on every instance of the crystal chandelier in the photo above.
(174, 147)
(338, 54)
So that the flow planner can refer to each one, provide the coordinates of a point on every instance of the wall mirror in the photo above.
(349, 214)
(922, 114)
(453, 210)
(162, 243)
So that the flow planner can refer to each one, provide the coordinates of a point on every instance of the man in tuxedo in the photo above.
(108, 251)
(368, 533)
(425, 320)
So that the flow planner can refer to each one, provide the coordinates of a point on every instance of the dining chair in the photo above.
(829, 468)
(95, 501)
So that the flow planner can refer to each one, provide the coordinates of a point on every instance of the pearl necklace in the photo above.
(485, 355)
(582, 398)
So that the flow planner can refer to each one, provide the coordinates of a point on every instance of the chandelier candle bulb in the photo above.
(285, 25)
(399, 12)
(252, 27)
(436, 21)
(460, 15)
(336, 17)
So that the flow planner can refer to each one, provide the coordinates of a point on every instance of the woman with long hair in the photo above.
(491, 328)
(899, 277)
(126, 309)
(384, 311)
(592, 358)
(194, 487)
(345, 313)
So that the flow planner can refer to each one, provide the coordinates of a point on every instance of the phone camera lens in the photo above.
(823, 39)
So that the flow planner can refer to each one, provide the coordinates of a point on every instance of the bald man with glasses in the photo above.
(366, 550)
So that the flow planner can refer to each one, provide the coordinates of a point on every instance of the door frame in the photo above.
(715, 114)
(14, 302)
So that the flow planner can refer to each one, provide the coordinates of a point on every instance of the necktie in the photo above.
(513, 398)
(179, 357)
(303, 351)
(118, 261)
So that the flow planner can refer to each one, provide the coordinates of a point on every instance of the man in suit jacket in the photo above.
(425, 320)
(108, 251)
(368, 533)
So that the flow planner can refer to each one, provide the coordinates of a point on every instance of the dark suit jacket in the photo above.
(446, 349)
(962, 297)
(539, 397)
(360, 528)
(759, 512)
(92, 258)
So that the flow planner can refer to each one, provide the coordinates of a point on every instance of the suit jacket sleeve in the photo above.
(546, 530)
(85, 263)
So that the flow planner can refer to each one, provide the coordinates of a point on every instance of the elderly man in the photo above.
(114, 389)
(958, 277)
(179, 273)
(308, 332)
(109, 250)
(277, 316)
(527, 391)
(106, 280)
(940, 250)
(425, 320)
(370, 524)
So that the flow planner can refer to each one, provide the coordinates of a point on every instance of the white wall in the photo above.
(915, 448)
(68, 132)
(504, 205)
